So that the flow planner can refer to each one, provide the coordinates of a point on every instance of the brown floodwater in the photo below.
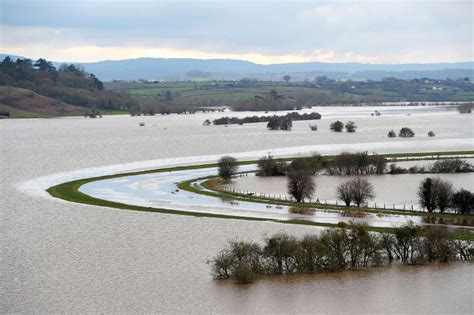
(58, 257)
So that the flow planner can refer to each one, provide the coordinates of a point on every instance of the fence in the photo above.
(287, 198)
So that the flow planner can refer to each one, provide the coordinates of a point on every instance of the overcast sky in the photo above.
(260, 31)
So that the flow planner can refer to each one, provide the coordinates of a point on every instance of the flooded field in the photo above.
(58, 256)
(392, 190)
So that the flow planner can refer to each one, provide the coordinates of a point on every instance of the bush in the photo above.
(267, 166)
(392, 134)
(431, 134)
(337, 126)
(406, 132)
(313, 127)
(351, 126)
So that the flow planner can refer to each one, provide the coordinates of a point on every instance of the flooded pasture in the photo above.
(58, 256)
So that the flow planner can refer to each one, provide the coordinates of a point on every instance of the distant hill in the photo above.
(180, 68)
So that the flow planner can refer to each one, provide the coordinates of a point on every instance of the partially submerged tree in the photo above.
(463, 201)
(391, 134)
(426, 197)
(443, 192)
(300, 185)
(268, 166)
(351, 126)
(406, 132)
(227, 166)
(344, 193)
(361, 190)
(337, 126)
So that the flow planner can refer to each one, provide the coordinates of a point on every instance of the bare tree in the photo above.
(361, 190)
(300, 185)
(344, 193)
(227, 166)
(443, 192)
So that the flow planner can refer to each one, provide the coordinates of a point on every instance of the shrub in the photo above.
(267, 166)
(431, 134)
(392, 134)
(351, 126)
(337, 126)
(406, 132)
(313, 127)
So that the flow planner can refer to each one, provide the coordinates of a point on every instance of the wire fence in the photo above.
(288, 198)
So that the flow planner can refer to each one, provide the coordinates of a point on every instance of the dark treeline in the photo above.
(356, 164)
(360, 163)
(70, 83)
(443, 166)
(337, 250)
(256, 119)
(436, 194)
(268, 166)
(343, 164)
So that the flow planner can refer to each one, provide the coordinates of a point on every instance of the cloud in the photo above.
(262, 31)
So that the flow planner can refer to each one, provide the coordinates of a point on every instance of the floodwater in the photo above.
(159, 190)
(390, 190)
(57, 256)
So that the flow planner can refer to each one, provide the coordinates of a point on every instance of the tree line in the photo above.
(256, 119)
(337, 250)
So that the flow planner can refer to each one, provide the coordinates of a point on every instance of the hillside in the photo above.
(24, 103)
(39, 89)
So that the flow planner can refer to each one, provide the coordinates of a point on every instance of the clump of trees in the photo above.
(463, 201)
(437, 194)
(351, 126)
(356, 164)
(336, 250)
(336, 126)
(442, 166)
(357, 190)
(227, 166)
(280, 123)
(256, 119)
(406, 132)
(268, 166)
(70, 83)
(451, 166)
